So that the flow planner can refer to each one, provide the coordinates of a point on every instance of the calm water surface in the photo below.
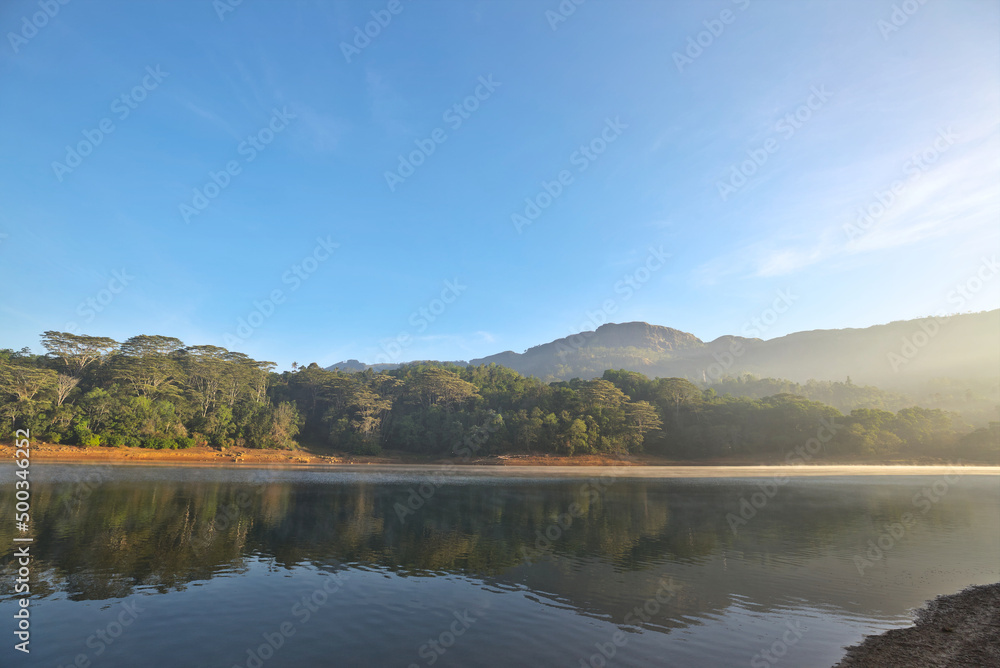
(189, 567)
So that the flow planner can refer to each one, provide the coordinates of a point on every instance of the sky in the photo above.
(433, 179)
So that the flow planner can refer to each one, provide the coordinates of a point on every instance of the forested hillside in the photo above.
(902, 356)
(156, 392)
(976, 401)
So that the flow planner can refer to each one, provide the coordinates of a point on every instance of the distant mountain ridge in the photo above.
(890, 355)
(353, 365)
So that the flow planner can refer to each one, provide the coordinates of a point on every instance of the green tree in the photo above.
(77, 351)
(640, 419)
(147, 365)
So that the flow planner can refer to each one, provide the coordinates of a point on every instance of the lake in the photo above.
(195, 566)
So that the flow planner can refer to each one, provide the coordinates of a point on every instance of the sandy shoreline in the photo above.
(636, 466)
(959, 630)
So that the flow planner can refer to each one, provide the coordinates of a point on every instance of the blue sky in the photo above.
(642, 135)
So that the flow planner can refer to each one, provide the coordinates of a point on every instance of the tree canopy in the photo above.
(155, 391)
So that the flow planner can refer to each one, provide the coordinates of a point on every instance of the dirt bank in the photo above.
(49, 452)
(955, 631)
(638, 466)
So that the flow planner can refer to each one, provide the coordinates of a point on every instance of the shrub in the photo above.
(85, 437)
(159, 443)
(119, 441)
(369, 448)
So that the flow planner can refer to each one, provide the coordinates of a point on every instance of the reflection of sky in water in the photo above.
(145, 534)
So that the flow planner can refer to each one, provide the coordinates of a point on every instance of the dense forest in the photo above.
(156, 392)
(975, 401)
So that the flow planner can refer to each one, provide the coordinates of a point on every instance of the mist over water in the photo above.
(208, 566)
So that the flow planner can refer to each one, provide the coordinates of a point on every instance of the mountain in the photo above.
(353, 366)
(632, 345)
(899, 354)
(892, 355)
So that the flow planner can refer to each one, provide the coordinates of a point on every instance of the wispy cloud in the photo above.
(956, 193)
(322, 132)
(213, 118)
